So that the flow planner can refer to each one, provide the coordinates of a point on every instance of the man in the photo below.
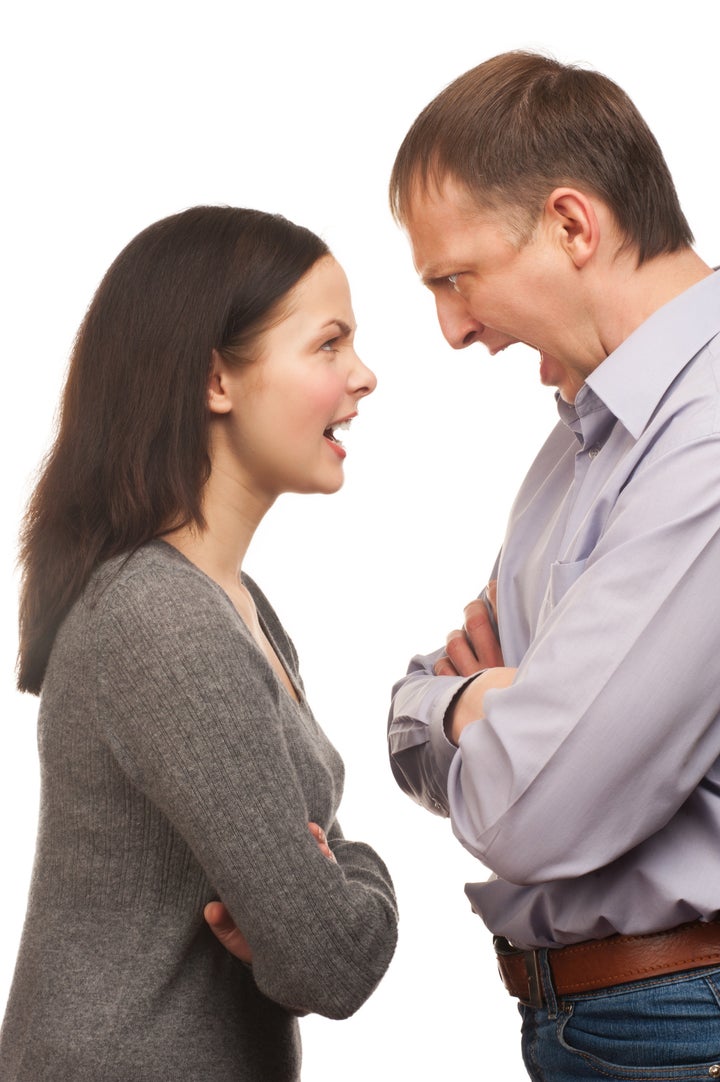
(581, 765)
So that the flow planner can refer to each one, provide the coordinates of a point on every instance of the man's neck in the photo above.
(616, 297)
(635, 293)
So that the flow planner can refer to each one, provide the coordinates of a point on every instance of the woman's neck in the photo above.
(232, 513)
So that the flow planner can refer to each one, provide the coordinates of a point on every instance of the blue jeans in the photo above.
(657, 1030)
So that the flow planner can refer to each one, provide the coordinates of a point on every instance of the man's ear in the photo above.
(572, 214)
(218, 397)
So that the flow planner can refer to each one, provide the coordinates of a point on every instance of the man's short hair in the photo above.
(516, 127)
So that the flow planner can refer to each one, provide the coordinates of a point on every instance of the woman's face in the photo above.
(283, 410)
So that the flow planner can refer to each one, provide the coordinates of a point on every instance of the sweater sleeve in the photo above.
(199, 722)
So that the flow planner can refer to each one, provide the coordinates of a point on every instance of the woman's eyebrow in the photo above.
(345, 329)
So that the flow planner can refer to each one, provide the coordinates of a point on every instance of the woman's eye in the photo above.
(331, 345)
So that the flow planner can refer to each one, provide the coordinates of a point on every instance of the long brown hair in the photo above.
(131, 454)
(521, 124)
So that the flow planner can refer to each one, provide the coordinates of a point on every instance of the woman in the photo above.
(180, 760)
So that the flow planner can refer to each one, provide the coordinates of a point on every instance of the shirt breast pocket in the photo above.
(562, 577)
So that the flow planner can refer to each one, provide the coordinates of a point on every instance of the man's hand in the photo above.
(469, 705)
(223, 926)
(475, 647)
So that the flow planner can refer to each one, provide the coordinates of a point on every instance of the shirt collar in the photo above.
(634, 377)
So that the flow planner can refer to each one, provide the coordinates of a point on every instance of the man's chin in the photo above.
(552, 373)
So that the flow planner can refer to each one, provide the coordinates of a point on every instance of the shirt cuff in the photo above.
(437, 709)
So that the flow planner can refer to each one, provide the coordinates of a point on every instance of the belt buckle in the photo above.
(536, 997)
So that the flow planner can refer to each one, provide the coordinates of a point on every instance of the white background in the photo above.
(116, 115)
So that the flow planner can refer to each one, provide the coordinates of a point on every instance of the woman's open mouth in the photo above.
(331, 431)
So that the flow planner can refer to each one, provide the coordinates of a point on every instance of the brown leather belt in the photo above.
(601, 963)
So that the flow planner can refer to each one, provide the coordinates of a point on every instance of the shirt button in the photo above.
(594, 452)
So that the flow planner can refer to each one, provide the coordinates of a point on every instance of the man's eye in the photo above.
(452, 279)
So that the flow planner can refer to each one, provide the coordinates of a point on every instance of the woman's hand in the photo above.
(319, 835)
(223, 926)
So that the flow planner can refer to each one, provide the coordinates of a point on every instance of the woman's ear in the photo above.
(573, 214)
(218, 398)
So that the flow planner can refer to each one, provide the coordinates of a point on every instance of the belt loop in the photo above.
(545, 975)
(533, 963)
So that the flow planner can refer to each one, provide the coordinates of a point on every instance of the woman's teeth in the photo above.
(331, 430)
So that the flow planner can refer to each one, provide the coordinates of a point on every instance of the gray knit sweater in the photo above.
(176, 769)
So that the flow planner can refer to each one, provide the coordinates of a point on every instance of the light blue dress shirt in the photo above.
(592, 786)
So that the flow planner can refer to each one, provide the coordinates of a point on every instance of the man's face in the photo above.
(487, 287)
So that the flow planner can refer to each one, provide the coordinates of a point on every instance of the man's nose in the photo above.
(458, 326)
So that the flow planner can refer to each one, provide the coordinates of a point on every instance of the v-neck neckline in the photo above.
(298, 698)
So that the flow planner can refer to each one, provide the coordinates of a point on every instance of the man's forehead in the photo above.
(434, 194)
(443, 224)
